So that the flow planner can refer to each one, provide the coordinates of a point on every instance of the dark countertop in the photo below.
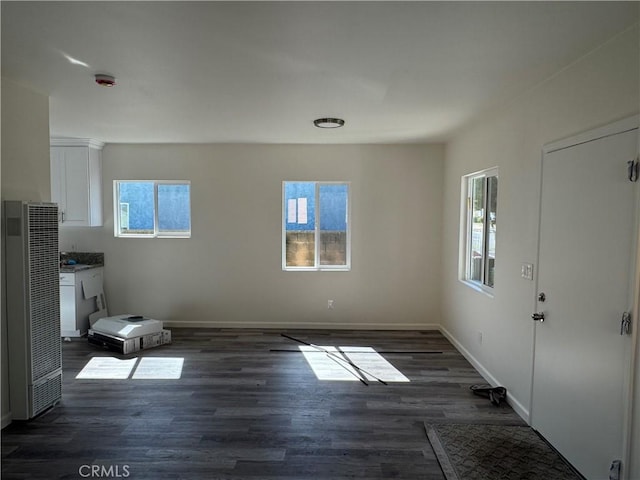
(77, 267)
(81, 261)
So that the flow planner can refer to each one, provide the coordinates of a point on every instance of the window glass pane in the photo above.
(124, 216)
(492, 205)
(138, 196)
(477, 228)
(478, 258)
(173, 208)
(333, 224)
(299, 204)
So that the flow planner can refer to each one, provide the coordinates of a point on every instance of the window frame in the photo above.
(157, 233)
(466, 231)
(318, 267)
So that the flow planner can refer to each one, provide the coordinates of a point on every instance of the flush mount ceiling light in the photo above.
(105, 80)
(328, 122)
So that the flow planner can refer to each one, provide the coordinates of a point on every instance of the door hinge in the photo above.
(632, 169)
(625, 324)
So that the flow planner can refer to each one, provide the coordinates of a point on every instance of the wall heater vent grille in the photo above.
(44, 290)
(32, 262)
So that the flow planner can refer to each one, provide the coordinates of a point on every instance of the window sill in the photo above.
(478, 288)
(152, 236)
(303, 269)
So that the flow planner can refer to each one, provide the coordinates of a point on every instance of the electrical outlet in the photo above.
(330, 304)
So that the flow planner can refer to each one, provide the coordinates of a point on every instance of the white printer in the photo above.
(128, 333)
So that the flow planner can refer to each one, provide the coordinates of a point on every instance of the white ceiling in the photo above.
(262, 71)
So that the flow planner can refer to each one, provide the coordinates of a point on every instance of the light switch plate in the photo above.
(526, 271)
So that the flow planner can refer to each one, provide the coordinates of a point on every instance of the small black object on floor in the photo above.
(496, 395)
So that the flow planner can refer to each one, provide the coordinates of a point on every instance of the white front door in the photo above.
(587, 252)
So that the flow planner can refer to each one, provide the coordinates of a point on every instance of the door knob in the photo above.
(538, 317)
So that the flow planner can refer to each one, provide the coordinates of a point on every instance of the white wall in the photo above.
(24, 173)
(229, 273)
(635, 423)
(25, 144)
(634, 467)
(595, 90)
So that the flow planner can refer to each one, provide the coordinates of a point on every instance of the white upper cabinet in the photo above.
(76, 181)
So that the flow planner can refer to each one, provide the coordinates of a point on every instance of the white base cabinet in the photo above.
(76, 181)
(78, 300)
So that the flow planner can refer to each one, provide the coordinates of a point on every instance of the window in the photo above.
(316, 233)
(152, 208)
(479, 233)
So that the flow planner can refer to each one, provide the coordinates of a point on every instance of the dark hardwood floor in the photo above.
(243, 411)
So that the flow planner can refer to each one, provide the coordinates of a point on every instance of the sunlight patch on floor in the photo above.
(149, 368)
(350, 364)
(159, 368)
(107, 368)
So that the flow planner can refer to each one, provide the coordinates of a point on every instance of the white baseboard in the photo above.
(5, 420)
(517, 406)
(304, 326)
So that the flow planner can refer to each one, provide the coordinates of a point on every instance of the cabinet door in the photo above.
(76, 184)
(68, 310)
(76, 174)
(58, 183)
(95, 187)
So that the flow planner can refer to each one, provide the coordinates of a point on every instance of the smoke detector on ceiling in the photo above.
(105, 80)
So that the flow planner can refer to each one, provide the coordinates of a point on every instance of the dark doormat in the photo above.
(492, 452)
